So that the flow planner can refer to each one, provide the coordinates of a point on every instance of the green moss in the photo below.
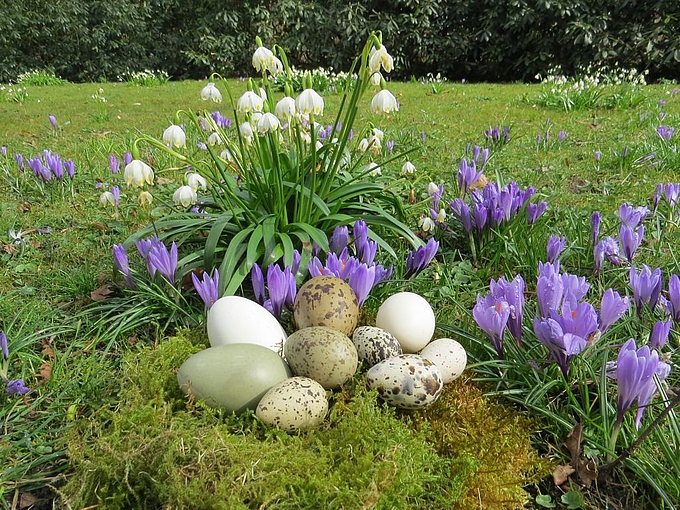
(463, 422)
(155, 450)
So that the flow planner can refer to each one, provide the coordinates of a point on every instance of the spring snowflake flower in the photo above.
(265, 60)
(174, 137)
(250, 102)
(309, 102)
(384, 102)
(380, 57)
(184, 196)
(285, 109)
(246, 131)
(268, 122)
(408, 168)
(211, 93)
(137, 173)
(195, 181)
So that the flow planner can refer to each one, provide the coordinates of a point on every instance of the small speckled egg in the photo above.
(375, 344)
(408, 381)
(324, 354)
(409, 317)
(297, 403)
(326, 301)
(448, 355)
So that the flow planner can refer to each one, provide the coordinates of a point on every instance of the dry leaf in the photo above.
(24, 207)
(481, 182)
(45, 373)
(27, 500)
(561, 473)
(47, 347)
(573, 442)
(101, 293)
(164, 180)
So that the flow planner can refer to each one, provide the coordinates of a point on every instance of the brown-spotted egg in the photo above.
(297, 403)
(448, 355)
(375, 344)
(326, 301)
(324, 354)
(408, 381)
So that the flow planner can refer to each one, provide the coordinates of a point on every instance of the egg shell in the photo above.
(323, 354)
(374, 345)
(409, 317)
(408, 381)
(235, 319)
(233, 377)
(297, 403)
(326, 301)
(448, 355)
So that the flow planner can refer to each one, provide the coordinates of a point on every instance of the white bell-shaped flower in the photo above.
(107, 198)
(379, 57)
(384, 102)
(285, 109)
(263, 58)
(227, 155)
(174, 136)
(379, 134)
(246, 131)
(374, 169)
(426, 223)
(408, 168)
(145, 198)
(249, 102)
(137, 173)
(376, 78)
(309, 102)
(441, 216)
(363, 145)
(268, 122)
(184, 196)
(195, 181)
(215, 139)
(211, 93)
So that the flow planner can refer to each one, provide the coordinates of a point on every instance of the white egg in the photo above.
(235, 319)
(409, 317)
(448, 355)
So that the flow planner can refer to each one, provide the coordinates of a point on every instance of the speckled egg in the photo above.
(233, 377)
(324, 354)
(409, 317)
(408, 381)
(297, 403)
(448, 355)
(326, 301)
(374, 345)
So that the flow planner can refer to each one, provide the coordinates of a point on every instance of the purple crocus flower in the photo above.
(16, 387)
(555, 247)
(612, 308)
(467, 175)
(70, 168)
(659, 334)
(461, 211)
(632, 216)
(561, 135)
(674, 297)
(115, 191)
(207, 288)
(279, 286)
(361, 281)
(3, 151)
(646, 286)
(53, 121)
(665, 132)
(127, 158)
(574, 288)
(492, 314)
(513, 293)
(549, 288)
(598, 156)
(114, 164)
(419, 259)
(609, 248)
(648, 391)
(631, 240)
(164, 261)
(121, 263)
(671, 193)
(536, 210)
(3, 346)
(365, 248)
(339, 239)
(635, 369)
(20, 161)
(595, 221)
(562, 346)
(342, 265)
(658, 194)
(257, 279)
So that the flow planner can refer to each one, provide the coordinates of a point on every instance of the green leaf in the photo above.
(235, 251)
(254, 251)
(545, 501)
(317, 235)
(214, 238)
(573, 499)
(269, 228)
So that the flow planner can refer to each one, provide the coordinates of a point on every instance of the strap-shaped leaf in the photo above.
(214, 236)
(317, 235)
(269, 236)
(254, 245)
(232, 256)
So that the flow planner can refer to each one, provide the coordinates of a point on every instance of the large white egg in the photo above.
(235, 319)
(409, 317)
(448, 355)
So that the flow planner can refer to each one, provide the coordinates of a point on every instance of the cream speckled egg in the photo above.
(409, 317)
(408, 381)
(375, 344)
(324, 354)
(297, 403)
(448, 355)
(326, 301)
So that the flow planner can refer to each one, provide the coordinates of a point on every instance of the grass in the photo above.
(82, 376)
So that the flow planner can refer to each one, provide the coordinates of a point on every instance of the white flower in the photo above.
(107, 198)
(195, 181)
(426, 223)
(319, 145)
(363, 145)
(309, 101)
(385, 102)
(306, 136)
(137, 173)
(285, 109)
(215, 139)
(227, 155)
(441, 217)
(408, 168)
(379, 134)
(376, 78)
(249, 102)
(265, 60)
(378, 57)
(374, 144)
(145, 198)
(432, 188)
(184, 196)
(246, 131)
(210, 92)
(174, 136)
(263, 94)
(255, 118)
(374, 169)
(268, 122)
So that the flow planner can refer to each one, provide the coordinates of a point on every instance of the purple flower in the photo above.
(492, 314)
(549, 288)
(257, 279)
(512, 293)
(114, 164)
(635, 369)
(612, 308)
(390, 146)
(207, 288)
(281, 291)
(16, 387)
(419, 259)
(127, 158)
(70, 168)
(3, 151)
(53, 121)
(121, 263)
(674, 297)
(595, 221)
(609, 248)
(575, 287)
(561, 135)
(631, 240)
(555, 247)
(646, 286)
(598, 156)
(665, 132)
(659, 334)
(362, 281)
(163, 261)
(115, 191)
(339, 239)
(536, 210)
(562, 346)
(3, 346)
(658, 193)
(462, 212)
(20, 161)
(365, 248)
(632, 216)
(467, 175)
(671, 193)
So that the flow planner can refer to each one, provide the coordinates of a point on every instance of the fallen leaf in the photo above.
(561, 473)
(47, 347)
(573, 442)
(45, 373)
(27, 500)
(24, 207)
(101, 293)
(164, 180)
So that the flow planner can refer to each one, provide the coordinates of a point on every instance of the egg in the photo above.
(448, 355)
(323, 354)
(233, 377)
(409, 317)
(408, 381)
(297, 403)
(235, 319)
(326, 301)
(374, 345)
